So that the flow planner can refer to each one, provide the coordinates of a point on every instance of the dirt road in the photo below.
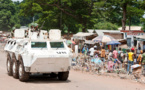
(76, 81)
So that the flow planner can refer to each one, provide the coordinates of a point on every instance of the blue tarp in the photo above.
(113, 43)
(96, 60)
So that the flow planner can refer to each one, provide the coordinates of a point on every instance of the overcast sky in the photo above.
(17, 0)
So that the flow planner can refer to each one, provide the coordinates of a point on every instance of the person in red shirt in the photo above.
(115, 53)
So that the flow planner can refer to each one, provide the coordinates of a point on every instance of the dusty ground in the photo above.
(76, 81)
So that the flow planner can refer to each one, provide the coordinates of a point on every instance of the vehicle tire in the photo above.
(15, 68)
(23, 76)
(63, 76)
(9, 65)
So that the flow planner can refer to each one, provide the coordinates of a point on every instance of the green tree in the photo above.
(143, 23)
(74, 14)
(106, 25)
(24, 21)
(8, 15)
(131, 8)
(115, 10)
(106, 11)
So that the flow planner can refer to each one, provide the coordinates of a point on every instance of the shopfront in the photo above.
(80, 39)
(141, 42)
(130, 36)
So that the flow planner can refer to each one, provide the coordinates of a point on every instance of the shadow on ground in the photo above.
(44, 79)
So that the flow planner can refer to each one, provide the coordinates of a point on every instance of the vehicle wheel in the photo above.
(9, 66)
(15, 68)
(23, 76)
(63, 75)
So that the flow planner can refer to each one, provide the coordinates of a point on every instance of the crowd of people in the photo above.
(116, 57)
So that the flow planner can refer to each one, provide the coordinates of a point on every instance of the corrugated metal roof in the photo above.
(101, 32)
(81, 34)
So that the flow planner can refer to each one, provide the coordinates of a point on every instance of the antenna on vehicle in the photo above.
(41, 26)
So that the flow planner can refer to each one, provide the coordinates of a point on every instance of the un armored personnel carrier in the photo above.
(32, 52)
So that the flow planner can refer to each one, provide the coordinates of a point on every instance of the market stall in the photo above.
(84, 36)
(140, 42)
(90, 43)
(106, 41)
(80, 39)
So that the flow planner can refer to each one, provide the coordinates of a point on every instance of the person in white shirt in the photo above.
(95, 46)
(92, 51)
(110, 55)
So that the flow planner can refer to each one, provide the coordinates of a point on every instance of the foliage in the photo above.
(8, 15)
(71, 15)
(24, 21)
(115, 11)
(56, 13)
(143, 23)
(106, 26)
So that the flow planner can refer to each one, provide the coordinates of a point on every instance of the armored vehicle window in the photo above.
(38, 45)
(14, 43)
(11, 42)
(56, 44)
(8, 42)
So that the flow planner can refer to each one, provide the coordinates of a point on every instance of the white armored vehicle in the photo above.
(32, 53)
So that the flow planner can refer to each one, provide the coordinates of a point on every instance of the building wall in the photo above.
(115, 35)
